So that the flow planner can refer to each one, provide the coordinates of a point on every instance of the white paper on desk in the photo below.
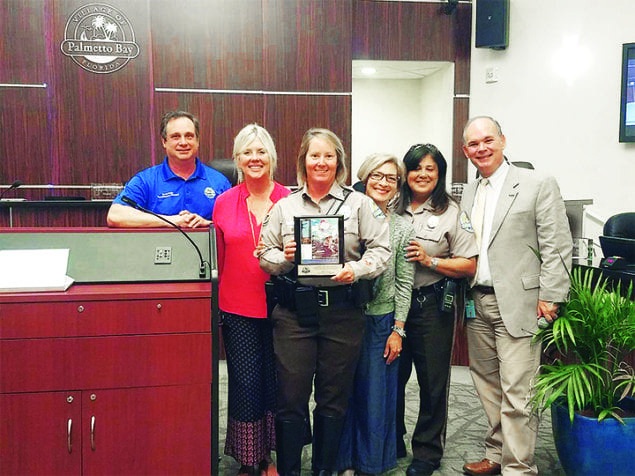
(34, 270)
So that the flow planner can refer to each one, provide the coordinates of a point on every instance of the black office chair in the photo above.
(621, 225)
(227, 167)
(519, 163)
(618, 239)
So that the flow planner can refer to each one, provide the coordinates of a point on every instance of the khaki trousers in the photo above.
(502, 367)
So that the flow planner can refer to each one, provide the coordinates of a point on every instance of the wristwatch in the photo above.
(433, 263)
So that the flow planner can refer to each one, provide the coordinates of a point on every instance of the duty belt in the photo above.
(333, 295)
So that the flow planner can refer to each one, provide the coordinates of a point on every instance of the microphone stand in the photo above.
(15, 184)
(133, 204)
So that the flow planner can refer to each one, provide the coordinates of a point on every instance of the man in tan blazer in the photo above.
(523, 211)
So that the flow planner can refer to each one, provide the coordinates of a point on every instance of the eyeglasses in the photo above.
(378, 177)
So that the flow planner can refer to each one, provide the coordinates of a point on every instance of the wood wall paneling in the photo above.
(461, 115)
(89, 127)
(307, 45)
(221, 116)
(207, 44)
(462, 37)
(289, 117)
(402, 31)
(24, 143)
(55, 216)
(23, 55)
(101, 122)
(25, 152)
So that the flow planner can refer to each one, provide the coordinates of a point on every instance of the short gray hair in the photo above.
(476, 118)
(374, 161)
(245, 137)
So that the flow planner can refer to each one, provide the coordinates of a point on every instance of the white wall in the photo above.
(558, 97)
(437, 111)
(391, 115)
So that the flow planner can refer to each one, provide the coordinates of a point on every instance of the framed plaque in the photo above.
(319, 245)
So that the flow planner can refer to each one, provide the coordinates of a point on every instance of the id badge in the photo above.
(470, 311)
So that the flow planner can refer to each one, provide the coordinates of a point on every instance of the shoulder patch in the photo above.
(377, 212)
(466, 224)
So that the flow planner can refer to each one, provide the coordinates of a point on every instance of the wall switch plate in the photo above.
(163, 255)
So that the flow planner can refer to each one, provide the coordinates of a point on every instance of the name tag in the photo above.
(470, 311)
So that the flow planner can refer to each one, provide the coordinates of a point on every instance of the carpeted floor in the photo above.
(464, 440)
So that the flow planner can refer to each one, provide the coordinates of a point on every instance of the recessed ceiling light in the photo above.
(369, 70)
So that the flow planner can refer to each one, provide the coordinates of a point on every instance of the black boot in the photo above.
(327, 432)
(290, 436)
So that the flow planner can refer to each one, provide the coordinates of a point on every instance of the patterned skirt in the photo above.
(251, 388)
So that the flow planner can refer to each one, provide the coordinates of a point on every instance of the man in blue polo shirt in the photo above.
(181, 189)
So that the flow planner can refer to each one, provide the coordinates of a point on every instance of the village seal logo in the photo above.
(99, 38)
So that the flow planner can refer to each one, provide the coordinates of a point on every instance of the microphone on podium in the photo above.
(14, 185)
(133, 204)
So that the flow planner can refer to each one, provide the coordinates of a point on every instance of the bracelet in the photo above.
(400, 331)
(433, 263)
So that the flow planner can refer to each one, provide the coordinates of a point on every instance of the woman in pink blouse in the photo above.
(238, 216)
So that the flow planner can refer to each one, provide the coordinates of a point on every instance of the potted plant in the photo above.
(586, 380)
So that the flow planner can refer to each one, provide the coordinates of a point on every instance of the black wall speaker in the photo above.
(492, 24)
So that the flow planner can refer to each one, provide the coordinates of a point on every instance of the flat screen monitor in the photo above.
(627, 108)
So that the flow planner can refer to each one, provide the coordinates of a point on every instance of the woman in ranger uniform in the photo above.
(444, 246)
(318, 323)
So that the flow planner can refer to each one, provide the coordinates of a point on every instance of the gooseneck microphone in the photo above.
(15, 184)
(133, 204)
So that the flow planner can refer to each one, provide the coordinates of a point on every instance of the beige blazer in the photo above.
(530, 213)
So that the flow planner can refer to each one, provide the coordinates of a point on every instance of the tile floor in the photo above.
(464, 440)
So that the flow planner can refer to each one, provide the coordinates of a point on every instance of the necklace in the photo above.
(251, 225)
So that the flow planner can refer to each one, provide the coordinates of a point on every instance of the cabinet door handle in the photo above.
(69, 436)
(92, 433)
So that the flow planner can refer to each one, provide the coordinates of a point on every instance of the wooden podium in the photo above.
(109, 378)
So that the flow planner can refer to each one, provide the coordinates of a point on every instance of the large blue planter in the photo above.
(591, 448)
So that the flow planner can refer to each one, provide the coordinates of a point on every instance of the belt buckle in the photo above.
(323, 297)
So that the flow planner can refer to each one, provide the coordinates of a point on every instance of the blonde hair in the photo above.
(245, 137)
(332, 139)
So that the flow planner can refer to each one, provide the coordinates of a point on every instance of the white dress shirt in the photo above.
(493, 191)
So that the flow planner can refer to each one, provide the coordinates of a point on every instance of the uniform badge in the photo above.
(209, 192)
(466, 224)
(433, 222)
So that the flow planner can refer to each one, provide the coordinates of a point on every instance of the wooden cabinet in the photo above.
(106, 379)
(40, 433)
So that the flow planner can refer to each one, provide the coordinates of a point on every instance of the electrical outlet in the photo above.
(491, 75)
(163, 255)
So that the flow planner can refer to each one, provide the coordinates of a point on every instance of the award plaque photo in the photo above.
(320, 245)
